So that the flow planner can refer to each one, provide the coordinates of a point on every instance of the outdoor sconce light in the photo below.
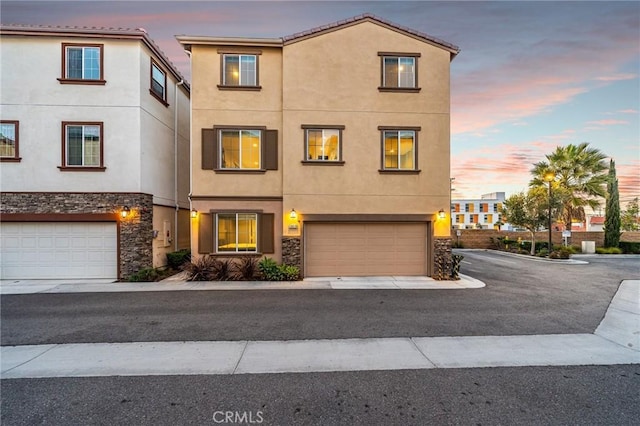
(194, 213)
(442, 214)
(293, 214)
(125, 211)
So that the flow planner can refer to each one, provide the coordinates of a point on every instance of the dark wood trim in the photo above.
(400, 54)
(414, 128)
(225, 127)
(235, 198)
(241, 88)
(322, 163)
(162, 99)
(59, 217)
(322, 126)
(16, 150)
(86, 82)
(400, 89)
(241, 171)
(81, 169)
(63, 76)
(399, 172)
(239, 51)
(63, 165)
(367, 217)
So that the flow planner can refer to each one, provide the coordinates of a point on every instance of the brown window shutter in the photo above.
(270, 150)
(205, 233)
(209, 149)
(266, 233)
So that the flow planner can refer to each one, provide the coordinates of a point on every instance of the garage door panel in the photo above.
(51, 250)
(365, 249)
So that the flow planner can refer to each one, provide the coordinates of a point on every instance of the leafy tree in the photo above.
(612, 212)
(629, 218)
(580, 176)
(527, 210)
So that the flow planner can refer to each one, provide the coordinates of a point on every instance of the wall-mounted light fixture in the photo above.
(442, 214)
(125, 212)
(293, 214)
(194, 213)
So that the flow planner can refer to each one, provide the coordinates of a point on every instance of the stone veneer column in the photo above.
(442, 259)
(136, 231)
(292, 252)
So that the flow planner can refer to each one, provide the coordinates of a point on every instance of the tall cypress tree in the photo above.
(612, 212)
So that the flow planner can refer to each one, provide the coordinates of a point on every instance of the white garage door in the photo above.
(58, 250)
(365, 249)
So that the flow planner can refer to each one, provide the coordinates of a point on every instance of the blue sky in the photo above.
(530, 76)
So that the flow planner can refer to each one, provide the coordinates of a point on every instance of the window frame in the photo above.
(63, 76)
(16, 151)
(236, 251)
(398, 55)
(223, 53)
(383, 130)
(163, 98)
(75, 168)
(219, 166)
(337, 162)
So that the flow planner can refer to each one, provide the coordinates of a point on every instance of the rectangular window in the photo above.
(82, 64)
(399, 71)
(497, 207)
(9, 139)
(488, 218)
(466, 207)
(323, 144)
(158, 83)
(474, 218)
(82, 146)
(399, 149)
(459, 218)
(240, 70)
(456, 207)
(240, 149)
(237, 232)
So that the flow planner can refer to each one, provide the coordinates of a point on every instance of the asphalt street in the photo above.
(521, 297)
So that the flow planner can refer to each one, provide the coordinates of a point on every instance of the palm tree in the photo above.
(579, 178)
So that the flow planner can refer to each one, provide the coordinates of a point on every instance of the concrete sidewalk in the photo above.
(327, 283)
(615, 341)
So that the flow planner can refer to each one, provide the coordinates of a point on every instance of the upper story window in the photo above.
(399, 72)
(239, 71)
(9, 140)
(399, 149)
(323, 144)
(240, 149)
(82, 64)
(158, 83)
(82, 146)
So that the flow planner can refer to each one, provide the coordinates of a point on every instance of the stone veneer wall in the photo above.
(135, 231)
(292, 251)
(442, 260)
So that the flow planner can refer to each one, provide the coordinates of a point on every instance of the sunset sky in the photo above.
(530, 75)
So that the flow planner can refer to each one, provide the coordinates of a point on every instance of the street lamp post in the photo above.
(549, 177)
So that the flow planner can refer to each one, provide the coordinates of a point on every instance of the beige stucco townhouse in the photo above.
(328, 149)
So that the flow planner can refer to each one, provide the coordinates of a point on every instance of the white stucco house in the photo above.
(483, 213)
(94, 153)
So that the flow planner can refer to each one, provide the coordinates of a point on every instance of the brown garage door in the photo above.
(365, 249)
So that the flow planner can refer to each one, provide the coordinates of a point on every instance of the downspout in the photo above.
(175, 167)
(190, 147)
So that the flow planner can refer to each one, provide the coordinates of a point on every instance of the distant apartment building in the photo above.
(483, 213)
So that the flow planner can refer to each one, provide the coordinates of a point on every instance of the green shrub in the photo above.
(629, 247)
(269, 270)
(458, 244)
(542, 253)
(177, 259)
(290, 273)
(608, 250)
(526, 245)
(145, 275)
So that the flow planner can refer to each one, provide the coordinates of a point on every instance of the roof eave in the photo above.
(189, 41)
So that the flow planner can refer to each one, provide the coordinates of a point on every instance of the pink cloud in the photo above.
(607, 122)
(617, 77)
(628, 111)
